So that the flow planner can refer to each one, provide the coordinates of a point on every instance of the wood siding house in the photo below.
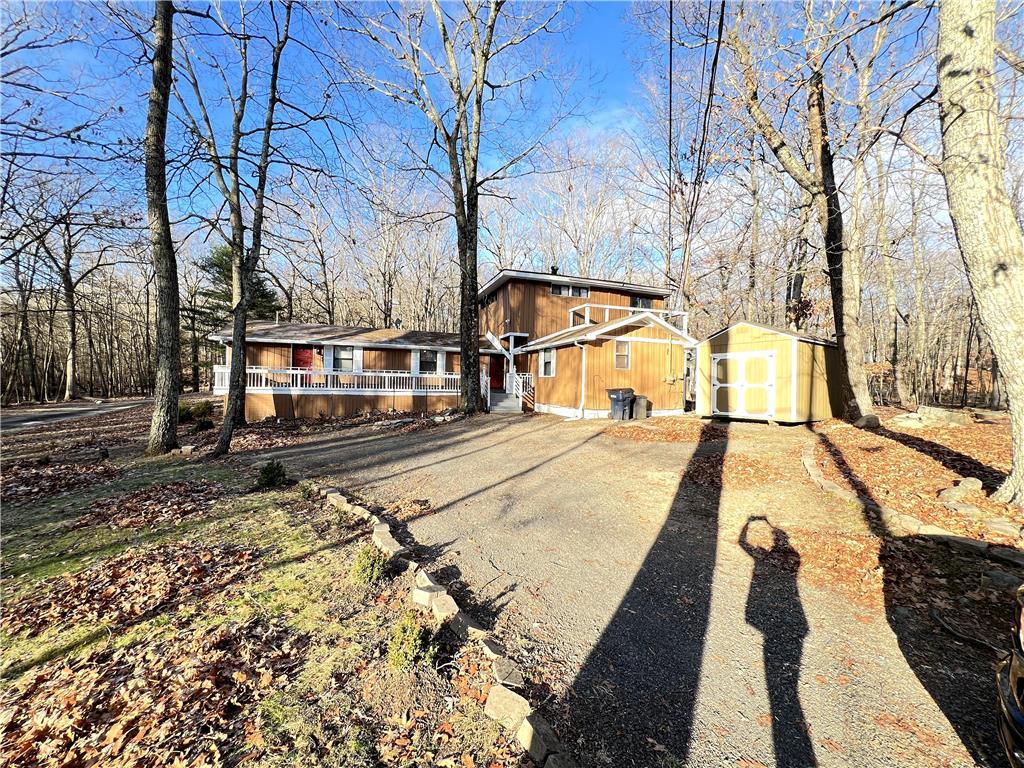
(549, 342)
(296, 370)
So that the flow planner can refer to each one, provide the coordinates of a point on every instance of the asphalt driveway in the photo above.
(658, 629)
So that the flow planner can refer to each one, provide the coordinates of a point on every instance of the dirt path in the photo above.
(616, 571)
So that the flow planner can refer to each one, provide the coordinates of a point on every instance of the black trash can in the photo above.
(622, 402)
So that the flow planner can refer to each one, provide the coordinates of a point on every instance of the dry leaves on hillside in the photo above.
(129, 586)
(164, 504)
(29, 482)
(906, 471)
(185, 701)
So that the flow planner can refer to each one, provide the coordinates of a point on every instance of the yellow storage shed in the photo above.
(751, 371)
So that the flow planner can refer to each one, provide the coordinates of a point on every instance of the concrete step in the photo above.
(505, 408)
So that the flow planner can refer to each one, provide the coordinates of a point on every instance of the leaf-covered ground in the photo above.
(906, 469)
(173, 616)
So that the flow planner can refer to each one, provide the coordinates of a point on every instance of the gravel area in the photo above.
(662, 621)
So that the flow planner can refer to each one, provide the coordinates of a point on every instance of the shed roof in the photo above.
(589, 332)
(505, 275)
(312, 333)
(780, 331)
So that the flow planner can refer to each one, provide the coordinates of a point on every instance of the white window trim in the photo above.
(357, 358)
(540, 363)
(616, 353)
(441, 366)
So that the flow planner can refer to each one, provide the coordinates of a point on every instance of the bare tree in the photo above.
(448, 69)
(164, 427)
(820, 182)
(973, 164)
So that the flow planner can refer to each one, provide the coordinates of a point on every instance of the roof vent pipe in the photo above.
(554, 269)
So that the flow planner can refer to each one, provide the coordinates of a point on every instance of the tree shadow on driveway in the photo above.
(925, 581)
(635, 693)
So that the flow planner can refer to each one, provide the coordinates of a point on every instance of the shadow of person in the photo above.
(774, 609)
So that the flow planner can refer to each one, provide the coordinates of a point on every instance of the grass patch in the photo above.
(369, 566)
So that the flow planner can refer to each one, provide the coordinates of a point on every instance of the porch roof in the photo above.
(269, 332)
(591, 331)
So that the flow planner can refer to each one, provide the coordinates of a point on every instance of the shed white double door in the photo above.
(743, 384)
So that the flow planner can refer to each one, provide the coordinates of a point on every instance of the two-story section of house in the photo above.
(566, 340)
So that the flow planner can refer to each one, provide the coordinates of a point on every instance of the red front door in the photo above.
(497, 369)
(302, 357)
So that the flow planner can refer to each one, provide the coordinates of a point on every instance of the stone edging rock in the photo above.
(908, 524)
(509, 708)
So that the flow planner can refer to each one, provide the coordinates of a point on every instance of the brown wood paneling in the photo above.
(387, 360)
(525, 306)
(655, 370)
(261, 405)
(268, 355)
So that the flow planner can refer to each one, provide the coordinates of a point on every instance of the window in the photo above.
(641, 302)
(547, 363)
(344, 358)
(428, 361)
(579, 291)
(622, 355)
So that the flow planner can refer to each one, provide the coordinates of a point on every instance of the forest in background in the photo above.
(357, 231)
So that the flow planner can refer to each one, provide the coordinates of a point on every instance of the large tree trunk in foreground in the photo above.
(973, 165)
(163, 431)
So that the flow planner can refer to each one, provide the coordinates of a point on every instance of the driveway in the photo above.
(16, 419)
(656, 631)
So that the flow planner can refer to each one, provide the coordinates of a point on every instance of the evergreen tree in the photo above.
(217, 266)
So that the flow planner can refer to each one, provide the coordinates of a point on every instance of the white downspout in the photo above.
(583, 380)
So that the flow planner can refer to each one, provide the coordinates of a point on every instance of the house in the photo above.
(296, 370)
(551, 342)
(752, 371)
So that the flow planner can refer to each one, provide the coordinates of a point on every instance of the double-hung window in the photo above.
(547, 362)
(428, 361)
(622, 355)
(344, 358)
(641, 302)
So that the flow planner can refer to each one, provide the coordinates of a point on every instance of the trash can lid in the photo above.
(620, 391)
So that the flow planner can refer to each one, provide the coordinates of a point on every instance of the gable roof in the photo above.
(592, 331)
(268, 331)
(505, 275)
(780, 331)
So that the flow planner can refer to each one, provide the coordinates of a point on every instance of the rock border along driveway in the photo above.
(504, 705)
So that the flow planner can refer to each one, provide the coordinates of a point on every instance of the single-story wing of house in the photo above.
(301, 370)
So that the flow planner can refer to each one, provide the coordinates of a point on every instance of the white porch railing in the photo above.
(522, 386)
(307, 380)
(602, 313)
(485, 387)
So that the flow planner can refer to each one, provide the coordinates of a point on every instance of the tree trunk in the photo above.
(469, 322)
(843, 271)
(988, 233)
(163, 430)
(71, 360)
(755, 231)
